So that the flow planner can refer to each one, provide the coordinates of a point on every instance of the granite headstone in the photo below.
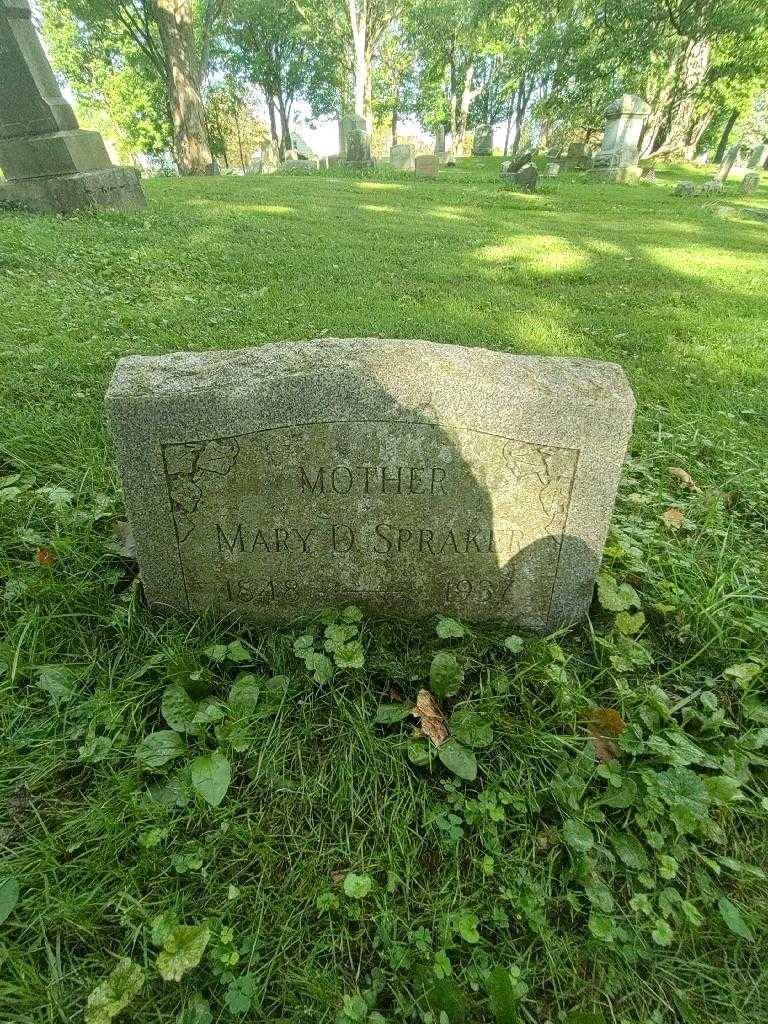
(407, 477)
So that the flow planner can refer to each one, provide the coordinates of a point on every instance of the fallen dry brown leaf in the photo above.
(683, 478)
(673, 519)
(603, 726)
(431, 718)
(45, 556)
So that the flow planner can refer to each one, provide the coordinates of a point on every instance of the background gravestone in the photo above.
(349, 123)
(749, 183)
(426, 165)
(618, 157)
(440, 144)
(358, 148)
(483, 144)
(758, 157)
(577, 158)
(729, 159)
(403, 157)
(50, 164)
(404, 476)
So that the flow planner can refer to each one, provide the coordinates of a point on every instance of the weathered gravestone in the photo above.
(349, 123)
(749, 183)
(685, 188)
(516, 162)
(403, 157)
(358, 148)
(426, 165)
(577, 158)
(526, 178)
(296, 166)
(483, 142)
(440, 144)
(553, 169)
(50, 164)
(617, 159)
(403, 476)
(758, 157)
(649, 176)
(625, 119)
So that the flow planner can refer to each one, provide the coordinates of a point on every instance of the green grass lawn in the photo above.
(615, 880)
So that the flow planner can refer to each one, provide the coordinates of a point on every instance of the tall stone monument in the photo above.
(440, 144)
(619, 155)
(50, 164)
(403, 476)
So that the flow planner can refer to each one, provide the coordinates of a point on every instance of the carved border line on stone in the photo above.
(187, 464)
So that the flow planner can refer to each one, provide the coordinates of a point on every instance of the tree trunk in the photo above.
(692, 69)
(272, 119)
(357, 24)
(394, 119)
(723, 143)
(694, 137)
(285, 131)
(240, 142)
(510, 112)
(467, 96)
(190, 135)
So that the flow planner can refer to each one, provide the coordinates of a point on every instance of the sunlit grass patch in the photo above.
(608, 856)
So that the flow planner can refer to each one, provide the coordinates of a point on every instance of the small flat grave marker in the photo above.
(406, 477)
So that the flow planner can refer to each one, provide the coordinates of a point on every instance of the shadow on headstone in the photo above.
(405, 477)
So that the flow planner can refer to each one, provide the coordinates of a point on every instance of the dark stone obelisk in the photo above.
(49, 162)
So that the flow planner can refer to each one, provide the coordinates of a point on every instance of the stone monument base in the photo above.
(115, 188)
(627, 175)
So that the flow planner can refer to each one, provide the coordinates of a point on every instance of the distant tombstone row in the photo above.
(49, 162)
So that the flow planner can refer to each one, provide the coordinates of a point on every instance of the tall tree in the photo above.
(265, 44)
(171, 40)
(183, 81)
(352, 30)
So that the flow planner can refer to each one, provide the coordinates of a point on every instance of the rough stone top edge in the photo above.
(231, 372)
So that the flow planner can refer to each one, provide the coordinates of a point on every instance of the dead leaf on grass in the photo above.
(45, 556)
(673, 519)
(432, 719)
(683, 478)
(603, 726)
